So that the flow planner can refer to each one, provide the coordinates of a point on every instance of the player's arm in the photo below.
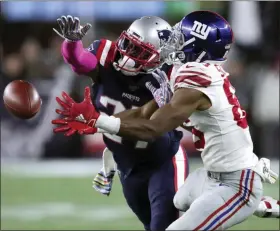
(183, 103)
(144, 112)
(81, 60)
(161, 96)
(89, 61)
(192, 92)
(190, 95)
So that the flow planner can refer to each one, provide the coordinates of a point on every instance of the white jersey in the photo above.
(220, 132)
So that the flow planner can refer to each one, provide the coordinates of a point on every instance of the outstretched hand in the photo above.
(163, 94)
(78, 117)
(70, 127)
(72, 109)
(70, 28)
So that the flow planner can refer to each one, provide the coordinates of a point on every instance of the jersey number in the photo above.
(198, 139)
(239, 115)
(118, 107)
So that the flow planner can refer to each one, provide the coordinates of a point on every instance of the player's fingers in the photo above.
(70, 22)
(81, 132)
(84, 131)
(87, 94)
(64, 21)
(165, 75)
(60, 24)
(87, 131)
(77, 24)
(68, 119)
(161, 76)
(59, 34)
(61, 129)
(273, 174)
(64, 113)
(85, 29)
(156, 76)
(67, 98)
(59, 121)
(70, 132)
(62, 103)
(151, 88)
(157, 71)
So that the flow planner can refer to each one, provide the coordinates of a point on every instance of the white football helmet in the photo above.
(138, 49)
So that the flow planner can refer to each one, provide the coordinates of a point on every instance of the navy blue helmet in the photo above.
(203, 35)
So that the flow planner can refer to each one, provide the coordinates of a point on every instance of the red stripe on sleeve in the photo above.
(193, 80)
(111, 54)
(196, 73)
(100, 49)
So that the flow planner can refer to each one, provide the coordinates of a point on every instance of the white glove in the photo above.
(70, 28)
(163, 94)
(103, 181)
(109, 163)
(263, 169)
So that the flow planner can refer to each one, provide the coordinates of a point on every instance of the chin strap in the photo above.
(128, 63)
(202, 54)
(116, 66)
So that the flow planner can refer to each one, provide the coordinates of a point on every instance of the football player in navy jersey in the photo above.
(150, 172)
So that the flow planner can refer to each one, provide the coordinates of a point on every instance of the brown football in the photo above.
(22, 99)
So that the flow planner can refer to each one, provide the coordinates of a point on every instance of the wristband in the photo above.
(100, 130)
(110, 124)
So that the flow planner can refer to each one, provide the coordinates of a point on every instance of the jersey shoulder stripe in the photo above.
(103, 49)
(194, 78)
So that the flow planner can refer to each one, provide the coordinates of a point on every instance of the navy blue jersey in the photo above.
(114, 93)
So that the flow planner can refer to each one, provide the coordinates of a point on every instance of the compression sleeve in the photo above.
(81, 60)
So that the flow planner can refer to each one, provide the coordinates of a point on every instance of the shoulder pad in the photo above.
(104, 50)
(194, 75)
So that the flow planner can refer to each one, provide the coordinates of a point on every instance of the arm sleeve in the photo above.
(81, 60)
(103, 50)
(196, 77)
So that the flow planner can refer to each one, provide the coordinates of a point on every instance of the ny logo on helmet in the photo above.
(200, 30)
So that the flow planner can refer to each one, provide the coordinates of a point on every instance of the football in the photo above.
(22, 99)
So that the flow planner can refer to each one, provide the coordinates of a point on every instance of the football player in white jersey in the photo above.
(228, 189)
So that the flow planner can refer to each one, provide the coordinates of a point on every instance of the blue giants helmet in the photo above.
(203, 35)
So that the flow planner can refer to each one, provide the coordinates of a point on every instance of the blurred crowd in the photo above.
(45, 69)
(34, 55)
(254, 68)
(39, 61)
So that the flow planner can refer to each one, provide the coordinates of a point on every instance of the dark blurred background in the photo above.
(30, 50)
